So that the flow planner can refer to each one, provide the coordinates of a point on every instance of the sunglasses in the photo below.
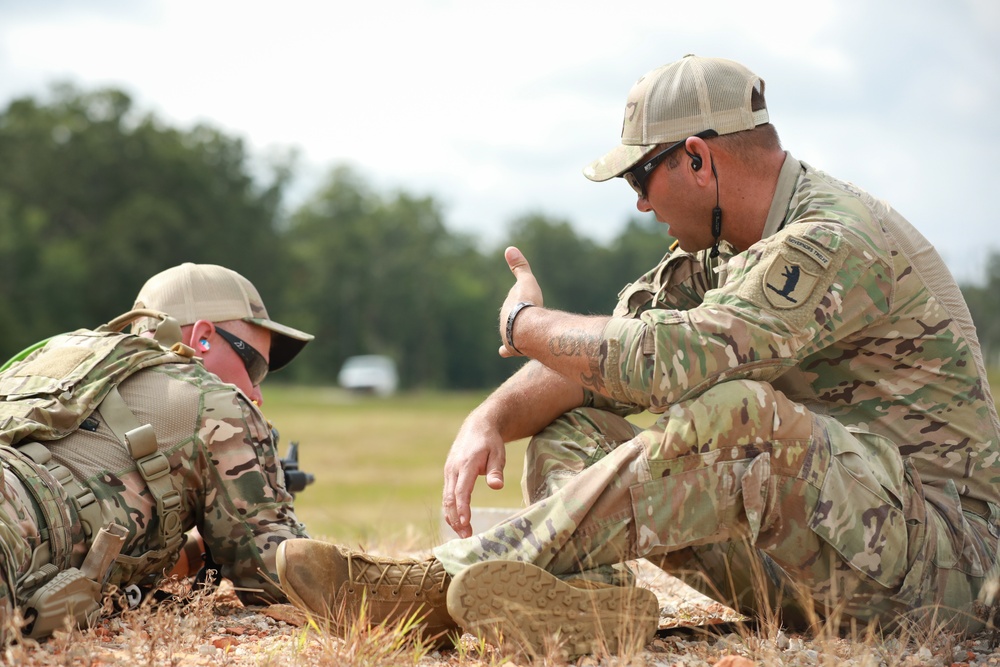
(253, 360)
(639, 174)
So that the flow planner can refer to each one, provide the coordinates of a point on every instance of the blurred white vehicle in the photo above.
(369, 373)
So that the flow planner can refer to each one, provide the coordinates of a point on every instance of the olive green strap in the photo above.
(140, 441)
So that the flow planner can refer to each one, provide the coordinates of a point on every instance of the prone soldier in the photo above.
(114, 445)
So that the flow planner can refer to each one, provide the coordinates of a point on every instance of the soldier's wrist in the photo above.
(511, 317)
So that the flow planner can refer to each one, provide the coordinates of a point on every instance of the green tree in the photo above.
(579, 275)
(638, 247)
(101, 196)
(984, 305)
(96, 196)
(386, 277)
(565, 263)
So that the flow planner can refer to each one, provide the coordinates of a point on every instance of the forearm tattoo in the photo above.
(576, 343)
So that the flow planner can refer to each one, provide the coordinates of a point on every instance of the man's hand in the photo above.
(525, 289)
(522, 406)
(477, 450)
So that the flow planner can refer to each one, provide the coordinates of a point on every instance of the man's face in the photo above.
(673, 195)
(223, 360)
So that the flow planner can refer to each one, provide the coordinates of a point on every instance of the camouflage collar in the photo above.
(791, 170)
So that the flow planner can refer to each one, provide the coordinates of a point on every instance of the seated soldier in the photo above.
(826, 442)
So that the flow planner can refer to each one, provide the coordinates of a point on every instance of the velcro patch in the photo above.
(811, 250)
(788, 282)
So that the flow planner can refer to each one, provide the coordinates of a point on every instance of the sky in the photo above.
(494, 108)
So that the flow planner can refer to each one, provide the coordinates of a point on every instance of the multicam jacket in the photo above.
(845, 308)
(222, 461)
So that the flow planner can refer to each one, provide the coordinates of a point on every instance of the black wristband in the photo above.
(510, 323)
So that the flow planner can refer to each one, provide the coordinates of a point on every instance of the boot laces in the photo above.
(373, 571)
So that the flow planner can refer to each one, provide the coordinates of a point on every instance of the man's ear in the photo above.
(700, 158)
(201, 333)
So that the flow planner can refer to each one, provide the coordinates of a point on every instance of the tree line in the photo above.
(97, 195)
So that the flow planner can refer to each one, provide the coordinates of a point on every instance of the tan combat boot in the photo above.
(523, 608)
(337, 586)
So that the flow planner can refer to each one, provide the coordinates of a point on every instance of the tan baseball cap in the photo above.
(676, 101)
(191, 292)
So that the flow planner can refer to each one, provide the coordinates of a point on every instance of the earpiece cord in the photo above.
(716, 216)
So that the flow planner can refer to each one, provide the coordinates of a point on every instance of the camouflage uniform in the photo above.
(222, 462)
(825, 426)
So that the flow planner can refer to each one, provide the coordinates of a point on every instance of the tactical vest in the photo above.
(46, 395)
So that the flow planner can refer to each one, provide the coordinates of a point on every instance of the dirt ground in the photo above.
(216, 630)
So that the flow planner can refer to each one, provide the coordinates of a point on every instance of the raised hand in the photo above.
(524, 290)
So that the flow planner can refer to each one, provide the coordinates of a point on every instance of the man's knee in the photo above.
(736, 413)
(567, 446)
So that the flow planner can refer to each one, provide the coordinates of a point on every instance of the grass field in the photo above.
(378, 462)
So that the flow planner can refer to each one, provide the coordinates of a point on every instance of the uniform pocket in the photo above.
(860, 508)
(687, 508)
(633, 297)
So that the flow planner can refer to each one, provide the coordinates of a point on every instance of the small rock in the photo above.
(781, 641)
(732, 640)
(868, 660)
(286, 613)
(892, 646)
(224, 643)
(734, 661)
(659, 646)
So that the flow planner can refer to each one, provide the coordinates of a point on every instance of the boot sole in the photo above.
(522, 607)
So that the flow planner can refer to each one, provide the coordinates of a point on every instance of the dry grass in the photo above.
(378, 465)
(212, 628)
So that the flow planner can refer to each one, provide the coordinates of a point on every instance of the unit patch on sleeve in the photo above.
(793, 273)
(788, 282)
(789, 274)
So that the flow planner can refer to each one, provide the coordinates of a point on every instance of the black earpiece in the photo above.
(695, 159)
(716, 214)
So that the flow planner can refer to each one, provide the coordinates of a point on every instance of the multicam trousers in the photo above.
(35, 512)
(753, 500)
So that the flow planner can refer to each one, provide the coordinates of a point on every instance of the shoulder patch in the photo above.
(788, 274)
(789, 282)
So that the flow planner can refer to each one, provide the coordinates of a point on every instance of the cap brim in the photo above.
(286, 345)
(616, 162)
